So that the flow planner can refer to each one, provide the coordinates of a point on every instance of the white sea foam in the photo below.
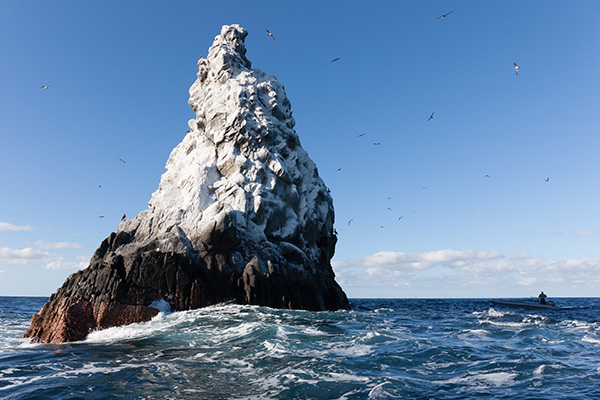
(378, 391)
(483, 380)
(85, 369)
(590, 339)
(161, 305)
(161, 322)
(581, 326)
(475, 332)
(275, 349)
(494, 313)
(341, 377)
(539, 371)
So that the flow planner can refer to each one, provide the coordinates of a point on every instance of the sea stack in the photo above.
(240, 215)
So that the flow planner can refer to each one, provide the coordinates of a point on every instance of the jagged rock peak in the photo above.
(241, 165)
(229, 49)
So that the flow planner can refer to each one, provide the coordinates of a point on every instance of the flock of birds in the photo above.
(431, 116)
(271, 35)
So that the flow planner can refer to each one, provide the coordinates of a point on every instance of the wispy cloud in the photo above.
(6, 226)
(23, 256)
(49, 260)
(80, 262)
(462, 272)
(585, 233)
(40, 244)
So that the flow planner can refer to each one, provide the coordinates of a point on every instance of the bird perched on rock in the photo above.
(516, 68)
(123, 217)
(270, 34)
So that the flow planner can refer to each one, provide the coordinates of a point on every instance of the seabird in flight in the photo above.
(336, 59)
(362, 134)
(123, 161)
(270, 34)
(431, 116)
(445, 15)
(45, 87)
(349, 222)
(377, 144)
(516, 68)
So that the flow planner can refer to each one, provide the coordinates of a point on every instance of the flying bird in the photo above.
(516, 68)
(123, 161)
(400, 217)
(336, 59)
(45, 87)
(430, 117)
(349, 222)
(362, 134)
(270, 34)
(445, 15)
(487, 176)
(100, 216)
(340, 168)
(547, 179)
(377, 144)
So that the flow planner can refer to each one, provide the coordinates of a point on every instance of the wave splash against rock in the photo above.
(240, 215)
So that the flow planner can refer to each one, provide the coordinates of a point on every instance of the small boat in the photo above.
(526, 304)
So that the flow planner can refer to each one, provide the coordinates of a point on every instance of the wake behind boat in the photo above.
(525, 304)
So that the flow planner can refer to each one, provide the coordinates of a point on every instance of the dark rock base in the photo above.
(118, 290)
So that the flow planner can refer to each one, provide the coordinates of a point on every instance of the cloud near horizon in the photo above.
(40, 244)
(80, 262)
(6, 226)
(463, 273)
(49, 260)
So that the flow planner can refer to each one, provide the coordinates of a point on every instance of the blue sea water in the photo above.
(382, 349)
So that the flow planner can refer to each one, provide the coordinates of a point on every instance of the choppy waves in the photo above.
(442, 349)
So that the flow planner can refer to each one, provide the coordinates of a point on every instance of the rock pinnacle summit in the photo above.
(240, 215)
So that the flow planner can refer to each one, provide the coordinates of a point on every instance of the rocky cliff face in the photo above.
(240, 215)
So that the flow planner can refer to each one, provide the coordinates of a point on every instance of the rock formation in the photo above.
(240, 215)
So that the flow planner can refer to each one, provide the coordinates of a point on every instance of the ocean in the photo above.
(382, 349)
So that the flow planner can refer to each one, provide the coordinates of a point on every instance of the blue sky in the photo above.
(119, 74)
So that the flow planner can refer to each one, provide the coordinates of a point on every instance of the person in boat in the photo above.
(542, 298)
